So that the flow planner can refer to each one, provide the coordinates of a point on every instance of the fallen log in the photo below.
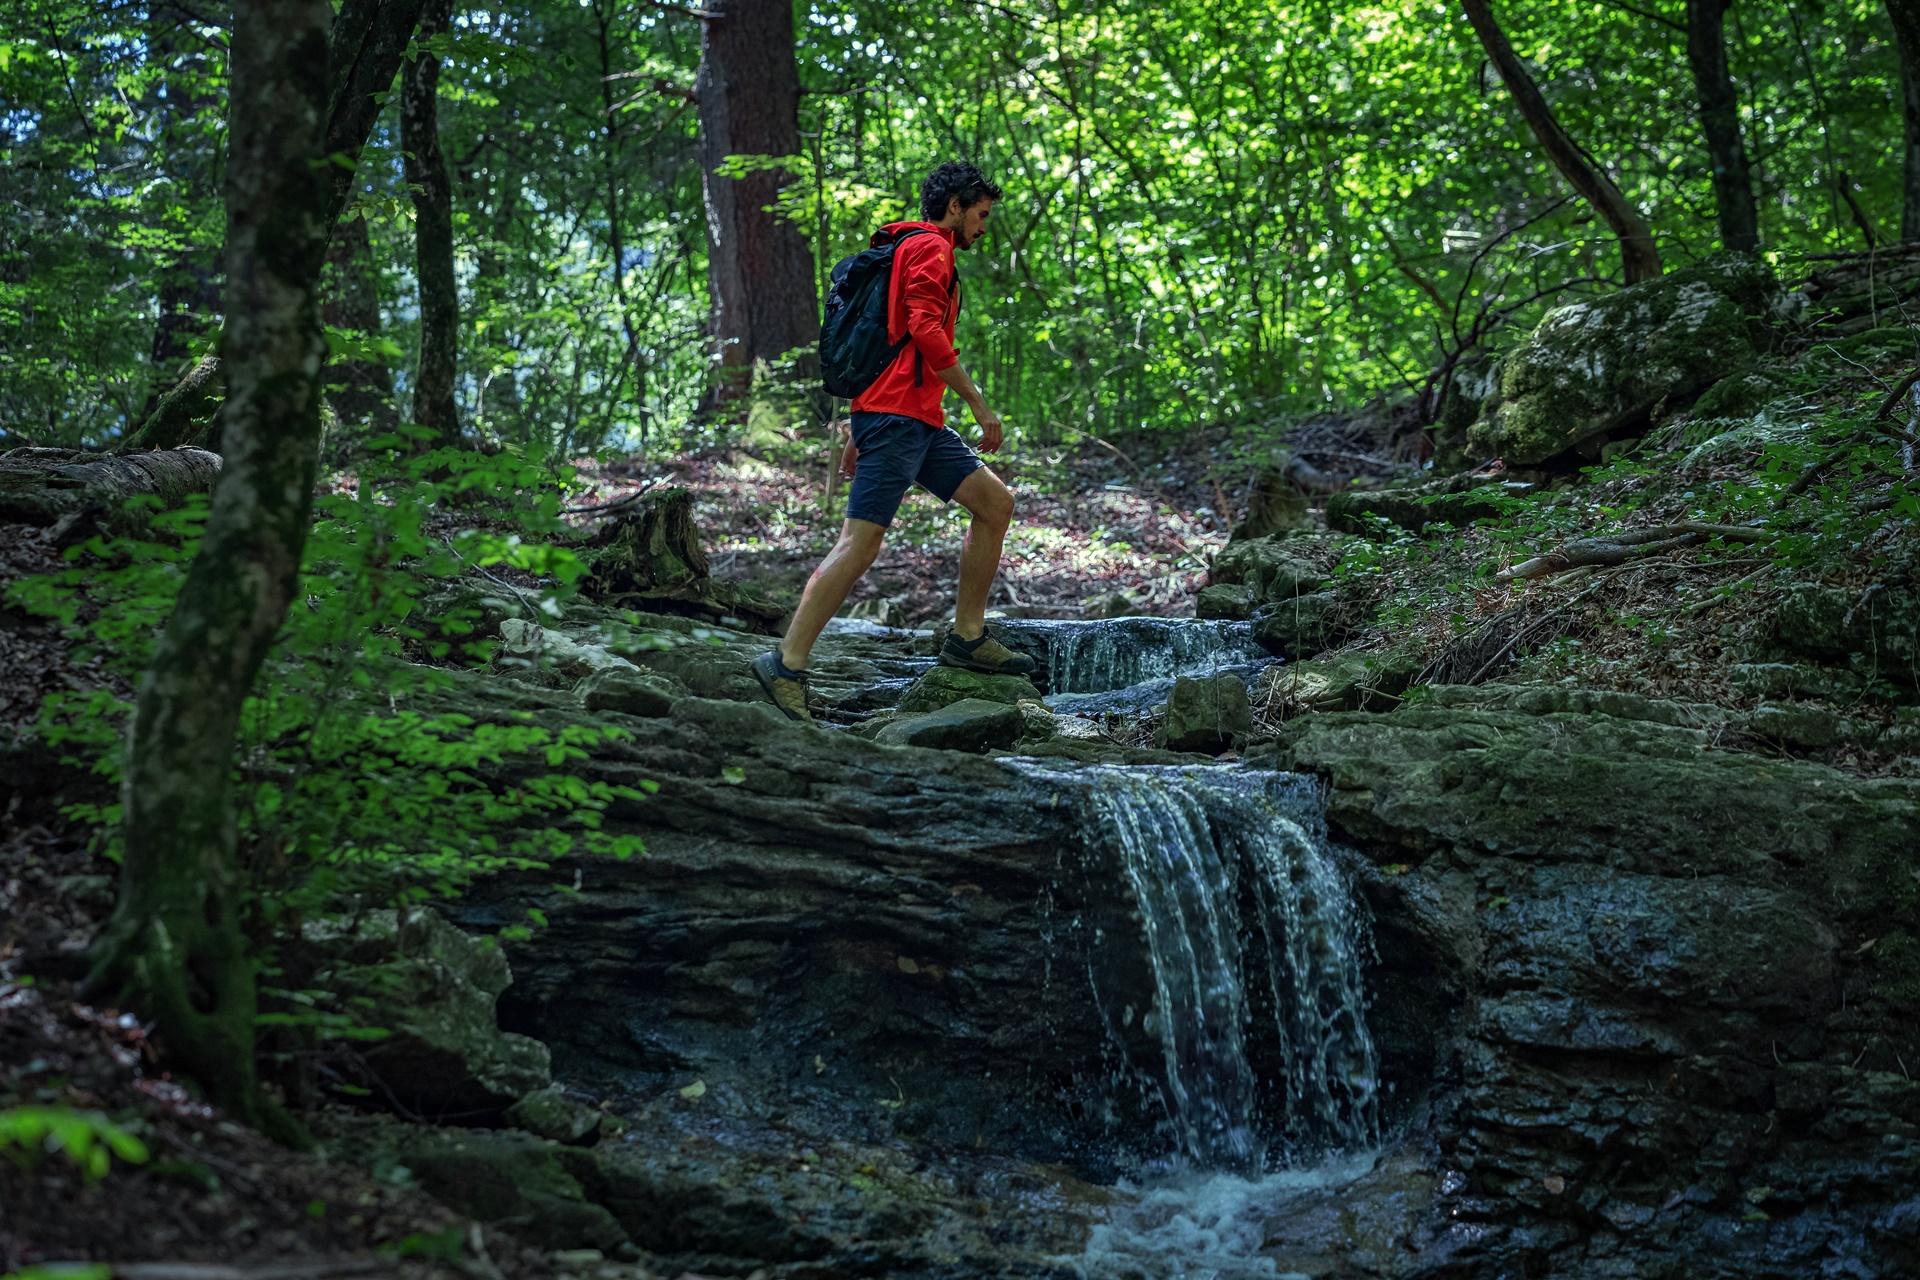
(48, 486)
(1618, 548)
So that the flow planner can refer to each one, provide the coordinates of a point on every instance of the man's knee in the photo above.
(860, 541)
(993, 504)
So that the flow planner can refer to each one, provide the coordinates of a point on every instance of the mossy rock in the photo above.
(1353, 681)
(1598, 367)
(1874, 634)
(971, 724)
(943, 686)
(1207, 715)
(1456, 501)
(512, 1179)
(631, 693)
(1224, 601)
(1303, 625)
(1275, 568)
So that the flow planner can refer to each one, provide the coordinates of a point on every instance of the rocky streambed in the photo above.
(1516, 981)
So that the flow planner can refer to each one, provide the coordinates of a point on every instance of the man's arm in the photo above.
(955, 376)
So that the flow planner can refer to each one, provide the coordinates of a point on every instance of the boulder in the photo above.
(1873, 633)
(433, 988)
(1302, 625)
(1598, 367)
(971, 724)
(532, 649)
(1207, 715)
(1352, 681)
(1276, 568)
(943, 685)
(1229, 602)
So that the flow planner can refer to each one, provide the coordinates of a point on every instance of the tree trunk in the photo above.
(183, 413)
(1638, 256)
(426, 172)
(759, 271)
(360, 391)
(1906, 40)
(365, 47)
(44, 486)
(1720, 121)
(176, 946)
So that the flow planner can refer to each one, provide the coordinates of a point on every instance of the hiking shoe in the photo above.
(786, 688)
(985, 654)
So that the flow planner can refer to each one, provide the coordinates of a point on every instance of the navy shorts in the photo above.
(896, 451)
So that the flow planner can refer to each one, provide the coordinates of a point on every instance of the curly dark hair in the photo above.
(954, 178)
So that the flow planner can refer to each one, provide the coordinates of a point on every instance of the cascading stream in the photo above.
(1260, 1065)
(1252, 942)
(1115, 653)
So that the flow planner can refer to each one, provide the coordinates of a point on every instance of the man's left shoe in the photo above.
(985, 654)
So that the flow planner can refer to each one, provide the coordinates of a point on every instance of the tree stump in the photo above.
(648, 556)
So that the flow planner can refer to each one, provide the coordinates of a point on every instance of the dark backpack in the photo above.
(854, 350)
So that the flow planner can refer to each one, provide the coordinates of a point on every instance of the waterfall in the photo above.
(1101, 656)
(1254, 1052)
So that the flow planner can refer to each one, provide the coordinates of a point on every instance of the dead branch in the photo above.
(1618, 548)
(41, 486)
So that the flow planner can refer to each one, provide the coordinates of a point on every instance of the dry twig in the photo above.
(1618, 548)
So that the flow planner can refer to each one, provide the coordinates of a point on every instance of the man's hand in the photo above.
(849, 455)
(990, 427)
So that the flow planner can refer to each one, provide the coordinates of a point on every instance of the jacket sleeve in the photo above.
(925, 286)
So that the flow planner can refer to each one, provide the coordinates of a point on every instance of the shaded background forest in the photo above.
(1217, 214)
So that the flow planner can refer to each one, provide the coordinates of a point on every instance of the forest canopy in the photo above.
(1215, 213)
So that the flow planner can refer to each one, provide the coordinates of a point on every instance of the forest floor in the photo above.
(1100, 530)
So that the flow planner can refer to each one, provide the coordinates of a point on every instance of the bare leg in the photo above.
(827, 589)
(987, 498)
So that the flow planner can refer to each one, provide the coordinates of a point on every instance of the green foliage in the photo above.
(1213, 213)
(87, 1138)
(362, 776)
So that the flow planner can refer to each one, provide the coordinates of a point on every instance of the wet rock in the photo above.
(1610, 364)
(1207, 716)
(971, 724)
(1303, 625)
(628, 692)
(434, 988)
(549, 1113)
(943, 685)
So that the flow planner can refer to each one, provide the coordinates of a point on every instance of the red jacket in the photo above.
(923, 301)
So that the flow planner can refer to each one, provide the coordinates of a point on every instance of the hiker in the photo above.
(900, 436)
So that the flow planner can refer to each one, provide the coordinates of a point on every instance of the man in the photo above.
(901, 438)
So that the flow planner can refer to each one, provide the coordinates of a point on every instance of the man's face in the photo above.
(973, 221)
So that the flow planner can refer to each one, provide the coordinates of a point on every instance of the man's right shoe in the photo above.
(985, 654)
(786, 688)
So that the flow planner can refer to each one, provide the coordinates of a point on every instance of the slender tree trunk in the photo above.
(426, 173)
(176, 946)
(1720, 121)
(1638, 256)
(1906, 39)
(366, 44)
(759, 271)
(360, 391)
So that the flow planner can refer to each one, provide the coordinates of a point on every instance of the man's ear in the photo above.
(954, 206)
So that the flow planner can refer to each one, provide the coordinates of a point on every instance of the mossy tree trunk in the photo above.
(426, 172)
(1720, 121)
(176, 948)
(366, 44)
(360, 390)
(1638, 256)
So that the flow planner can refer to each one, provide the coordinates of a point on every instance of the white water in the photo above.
(1266, 1083)
(1115, 653)
(1202, 1226)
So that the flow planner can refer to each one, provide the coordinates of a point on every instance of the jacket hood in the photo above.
(895, 228)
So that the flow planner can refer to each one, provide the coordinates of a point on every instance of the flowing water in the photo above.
(1115, 653)
(1253, 1056)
